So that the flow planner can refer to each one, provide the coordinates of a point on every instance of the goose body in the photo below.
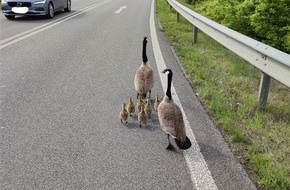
(171, 118)
(123, 116)
(144, 78)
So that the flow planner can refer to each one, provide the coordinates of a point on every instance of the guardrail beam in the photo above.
(271, 62)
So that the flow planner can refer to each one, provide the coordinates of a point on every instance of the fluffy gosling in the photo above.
(156, 103)
(140, 103)
(142, 117)
(123, 116)
(131, 107)
(147, 108)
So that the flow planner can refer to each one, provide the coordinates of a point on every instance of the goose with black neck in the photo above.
(171, 118)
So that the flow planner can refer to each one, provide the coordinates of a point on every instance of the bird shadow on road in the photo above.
(135, 124)
(211, 153)
(151, 125)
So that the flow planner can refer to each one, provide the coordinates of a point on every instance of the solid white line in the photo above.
(200, 174)
(16, 38)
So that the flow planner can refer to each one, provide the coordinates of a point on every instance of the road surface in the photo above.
(62, 83)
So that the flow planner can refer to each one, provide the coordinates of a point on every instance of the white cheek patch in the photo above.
(20, 10)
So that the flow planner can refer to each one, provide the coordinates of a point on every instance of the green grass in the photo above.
(228, 87)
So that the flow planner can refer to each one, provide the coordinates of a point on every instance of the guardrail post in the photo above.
(195, 31)
(264, 89)
(177, 16)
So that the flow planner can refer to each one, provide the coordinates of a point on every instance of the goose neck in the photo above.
(169, 81)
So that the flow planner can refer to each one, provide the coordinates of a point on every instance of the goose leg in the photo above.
(169, 146)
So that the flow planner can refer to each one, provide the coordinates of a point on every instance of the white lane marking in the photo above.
(120, 9)
(200, 174)
(16, 38)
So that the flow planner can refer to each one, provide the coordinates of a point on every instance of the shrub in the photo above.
(267, 21)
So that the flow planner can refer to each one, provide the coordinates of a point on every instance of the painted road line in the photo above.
(120, 9)
(200, 174)
(16, 38)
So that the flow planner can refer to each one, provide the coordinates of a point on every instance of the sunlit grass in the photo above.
(228, 87)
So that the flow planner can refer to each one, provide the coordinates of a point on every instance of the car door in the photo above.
(62, 4)
(57, 4)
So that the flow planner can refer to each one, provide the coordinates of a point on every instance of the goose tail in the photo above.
(183, 144)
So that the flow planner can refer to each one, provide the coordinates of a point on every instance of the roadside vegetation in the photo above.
(228, 88)
(267, 21)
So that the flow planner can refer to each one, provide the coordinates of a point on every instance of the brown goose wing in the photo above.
(139, 80)
(179, 124)
(167, 118)
(149, 78)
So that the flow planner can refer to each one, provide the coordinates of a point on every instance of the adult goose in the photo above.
(144, 78)
(171, 119)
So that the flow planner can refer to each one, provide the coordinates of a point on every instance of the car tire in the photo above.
(50, 13)
(10, 16)
(68, 6)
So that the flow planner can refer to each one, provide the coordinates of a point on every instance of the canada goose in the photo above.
(142, 117)
(156, 103)
(144, 78)
(131, 106)
(123, 116)
(140, 103)
(147, 108)
(171, 119)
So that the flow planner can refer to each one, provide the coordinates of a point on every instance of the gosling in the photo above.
(142, 117)
(123, 116)
(140, 103)
(131, 107)
(147, 108)
(156, 103)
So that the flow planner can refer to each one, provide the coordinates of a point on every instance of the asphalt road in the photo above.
(62, 83)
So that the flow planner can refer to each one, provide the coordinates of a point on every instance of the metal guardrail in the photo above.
(272, 62)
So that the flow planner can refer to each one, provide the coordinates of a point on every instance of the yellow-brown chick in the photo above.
(140, 103)
(131, 107)
(123, 116)
(147, 108)
(142, 117)
(156, 103)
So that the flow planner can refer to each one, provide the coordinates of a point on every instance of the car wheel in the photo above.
(10, 16)
(50, 13)
(68, 6)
